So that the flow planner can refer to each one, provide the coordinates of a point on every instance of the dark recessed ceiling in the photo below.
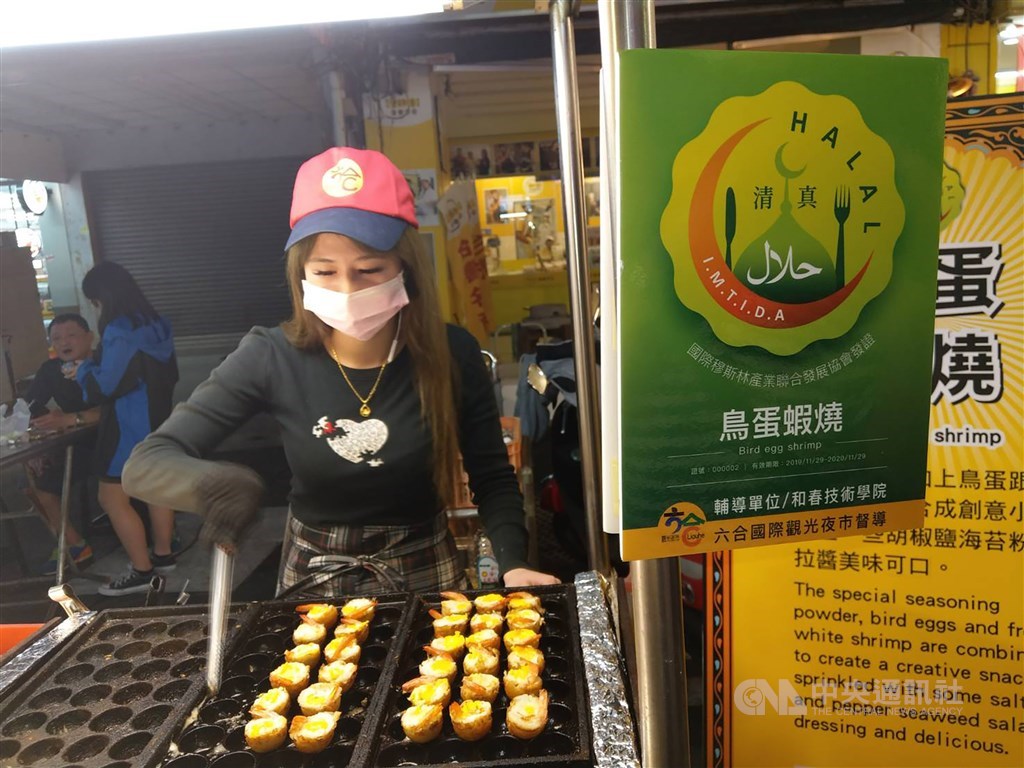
(272, 74)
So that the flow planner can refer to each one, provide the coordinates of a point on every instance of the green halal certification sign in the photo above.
(779, 230)
(808, 241)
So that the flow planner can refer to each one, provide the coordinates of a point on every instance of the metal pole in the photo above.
(336, 99)
(65, 511)
(661, 663)
(657, 587)
(567, 113)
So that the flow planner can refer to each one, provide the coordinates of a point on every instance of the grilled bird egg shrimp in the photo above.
(309, 631)
(292, 676)
(428, 690)
(524, 618)
(479, 687)
(438, 664)
(492, 603)
(519, 600)
(341, 673)
(471, 719)
(275, 701)
(313, 734)
(481, 621)
(453, 645)
(527, 715)
(521, 655)
(321, 613)
(307, 653)
(455, 604)
(422, 723)
(344, 648)
(522, 680)
(320, 697)
(361, 629)
(361, 608)
(266, 731)
(449, 625)
(521, 637)
(487, 639)
(480, 660)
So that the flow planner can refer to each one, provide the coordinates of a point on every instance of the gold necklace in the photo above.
(364, 408)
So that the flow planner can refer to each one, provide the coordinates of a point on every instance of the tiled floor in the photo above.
(24, 598)
(194, 563)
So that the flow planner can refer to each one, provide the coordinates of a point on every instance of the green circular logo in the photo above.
(783, 218)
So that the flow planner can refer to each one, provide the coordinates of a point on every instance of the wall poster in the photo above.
(906, 648)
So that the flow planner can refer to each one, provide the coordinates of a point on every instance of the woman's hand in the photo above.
(524, 577)
(55, 419)
(230, 497)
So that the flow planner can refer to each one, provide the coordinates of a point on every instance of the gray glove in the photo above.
(229, 496)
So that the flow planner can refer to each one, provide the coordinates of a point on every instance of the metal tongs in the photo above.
(221, 572)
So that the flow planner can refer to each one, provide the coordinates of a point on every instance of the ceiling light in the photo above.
(72, 21)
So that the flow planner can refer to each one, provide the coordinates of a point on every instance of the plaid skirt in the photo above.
(418, 558)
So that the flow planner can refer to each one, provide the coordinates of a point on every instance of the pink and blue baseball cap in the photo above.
(358, 193)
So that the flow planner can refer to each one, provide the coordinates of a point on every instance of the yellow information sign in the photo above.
(906, 648)
(467, 261)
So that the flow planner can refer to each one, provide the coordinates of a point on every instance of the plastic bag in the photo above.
(15, 425)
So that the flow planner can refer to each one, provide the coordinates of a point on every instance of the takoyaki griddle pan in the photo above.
(216, 736)
(114, 693)
(564, 742)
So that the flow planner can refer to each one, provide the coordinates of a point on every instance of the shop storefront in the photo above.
(774, 333)
(39, 278)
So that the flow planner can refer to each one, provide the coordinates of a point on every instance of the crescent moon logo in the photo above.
(719, 281)
(783, 218)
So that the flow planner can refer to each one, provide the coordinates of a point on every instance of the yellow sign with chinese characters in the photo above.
(907, 647)
(467, 262)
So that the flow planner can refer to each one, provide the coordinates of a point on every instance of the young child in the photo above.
(72, 340)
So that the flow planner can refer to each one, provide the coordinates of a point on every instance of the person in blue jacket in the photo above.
(131, 377)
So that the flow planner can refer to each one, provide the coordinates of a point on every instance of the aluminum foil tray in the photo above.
(565, 741)
(113, 694)
(215, 737)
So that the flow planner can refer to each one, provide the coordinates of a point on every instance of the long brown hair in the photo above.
(423, 332)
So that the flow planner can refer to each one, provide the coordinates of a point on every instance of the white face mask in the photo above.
(361, 314)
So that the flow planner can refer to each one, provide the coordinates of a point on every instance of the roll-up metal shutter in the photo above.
(205, 241)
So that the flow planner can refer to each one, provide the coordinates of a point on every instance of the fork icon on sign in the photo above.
(842, 212)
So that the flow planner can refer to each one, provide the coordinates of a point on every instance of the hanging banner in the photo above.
(776, 295)
(410, 105)
(467, 261)
(907, 647)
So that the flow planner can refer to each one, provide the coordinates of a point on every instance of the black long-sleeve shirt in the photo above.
(49, 384)
(346, 470)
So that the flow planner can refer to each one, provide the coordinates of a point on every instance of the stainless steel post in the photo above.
(567, 114)
(335, 86)
(221, 571)
(657, 588)
(660, 663)
(65, 512)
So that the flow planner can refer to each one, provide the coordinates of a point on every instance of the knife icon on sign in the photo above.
(730, 224)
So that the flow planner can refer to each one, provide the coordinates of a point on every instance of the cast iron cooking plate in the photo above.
(110, 694)
(565, 741)
(215, 737)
